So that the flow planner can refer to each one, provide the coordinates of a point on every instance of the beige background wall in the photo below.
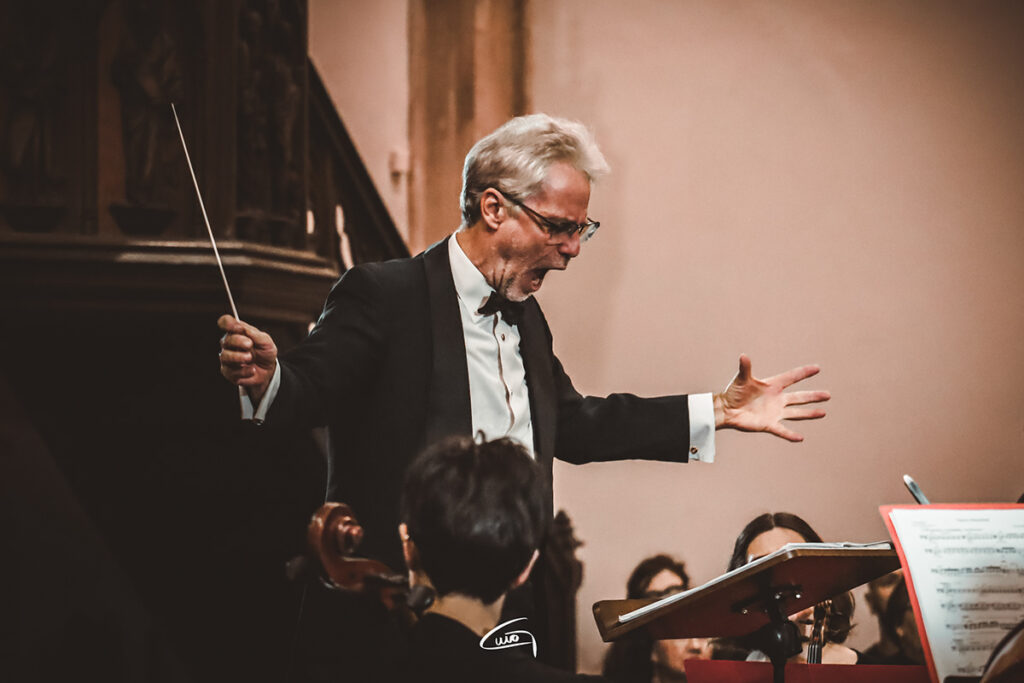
(361, 49)
(828, 182)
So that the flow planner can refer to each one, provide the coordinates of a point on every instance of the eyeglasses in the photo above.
(555, 227)
(664, 593)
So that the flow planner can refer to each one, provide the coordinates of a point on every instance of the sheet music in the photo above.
(676, 597)
(967, 568)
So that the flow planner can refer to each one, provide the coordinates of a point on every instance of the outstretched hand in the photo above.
(248, 355)
(759, 405)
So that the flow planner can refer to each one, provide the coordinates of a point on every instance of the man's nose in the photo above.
(570, 246)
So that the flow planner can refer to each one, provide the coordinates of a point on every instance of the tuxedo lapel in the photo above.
(449, 411)
(448, 407)
(536, 355)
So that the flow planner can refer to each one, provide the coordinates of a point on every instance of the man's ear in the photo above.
(492, 208)
(525, 574)
(417, 577)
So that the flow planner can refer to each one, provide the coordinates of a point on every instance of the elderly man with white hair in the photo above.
(452, 342)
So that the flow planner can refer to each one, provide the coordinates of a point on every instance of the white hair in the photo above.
(516, 157)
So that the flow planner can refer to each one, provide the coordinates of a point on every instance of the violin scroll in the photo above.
(333, 535)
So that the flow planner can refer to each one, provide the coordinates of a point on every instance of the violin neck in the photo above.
(814, 648)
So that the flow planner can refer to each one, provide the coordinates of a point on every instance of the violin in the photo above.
(332, 537)
(817, 643)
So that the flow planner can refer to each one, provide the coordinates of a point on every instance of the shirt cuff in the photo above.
(260, 413)
(702, 427)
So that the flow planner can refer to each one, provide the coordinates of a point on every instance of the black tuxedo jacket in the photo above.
(385, 369)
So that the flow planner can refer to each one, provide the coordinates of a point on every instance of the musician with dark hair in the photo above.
(769, 532)
(473, 517)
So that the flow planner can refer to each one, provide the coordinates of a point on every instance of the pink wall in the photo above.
(837, 183)
(362, 52)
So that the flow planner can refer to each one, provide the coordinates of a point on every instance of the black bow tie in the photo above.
(511, 311)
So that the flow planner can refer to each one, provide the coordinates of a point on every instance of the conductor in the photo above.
(452, 342)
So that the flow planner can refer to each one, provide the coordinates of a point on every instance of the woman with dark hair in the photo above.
(637, 658)
(766, 534)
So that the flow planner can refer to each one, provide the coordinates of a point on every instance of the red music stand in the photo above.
(759, 595)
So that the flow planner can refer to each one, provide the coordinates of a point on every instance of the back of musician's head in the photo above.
(475, 512)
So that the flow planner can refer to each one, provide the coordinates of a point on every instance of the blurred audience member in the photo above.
(877, 597)
(899, 620)
(638, 658)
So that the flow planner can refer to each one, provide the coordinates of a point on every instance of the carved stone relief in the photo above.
(32, 83)
(271, 114)
(147, 72)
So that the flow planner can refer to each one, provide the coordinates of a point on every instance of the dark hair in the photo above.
(767, 522)
(841, 611)
(895, 609)
(629, 658)
(475, 511)
(640, 578)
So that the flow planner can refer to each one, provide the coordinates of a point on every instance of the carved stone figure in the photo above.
(147, 73)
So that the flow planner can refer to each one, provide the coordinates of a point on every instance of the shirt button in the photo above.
(503, 337)
(693, 450)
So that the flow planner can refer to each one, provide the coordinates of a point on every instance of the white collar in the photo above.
(470, 284)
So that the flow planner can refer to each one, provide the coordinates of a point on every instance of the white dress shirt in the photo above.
(499, 396)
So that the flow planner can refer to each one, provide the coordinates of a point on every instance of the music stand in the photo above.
(759, 595)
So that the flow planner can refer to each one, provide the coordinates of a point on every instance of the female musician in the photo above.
(766, 534)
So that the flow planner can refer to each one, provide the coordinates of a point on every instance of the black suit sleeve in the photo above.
(338, 359)
(618, 426)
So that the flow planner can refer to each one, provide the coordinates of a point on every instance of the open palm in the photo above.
(760, 405)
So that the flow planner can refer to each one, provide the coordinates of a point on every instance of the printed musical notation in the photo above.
(983, 606)
(947, 589)
(975, 571)
(967, 569)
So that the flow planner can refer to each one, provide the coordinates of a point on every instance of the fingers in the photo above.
(793, 376)
(235, 358)
(237, 327)
(243, 337)
(778, 429)
(228, 323)
(236, 342)
(803, 413)
(241, 374)
(236, 350)
(794, 398)
(744, 372)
